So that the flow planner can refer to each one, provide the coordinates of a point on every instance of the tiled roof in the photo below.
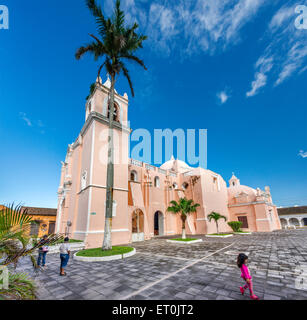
(41, 211)
(292, 210)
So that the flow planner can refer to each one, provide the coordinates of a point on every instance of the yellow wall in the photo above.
(43, 220)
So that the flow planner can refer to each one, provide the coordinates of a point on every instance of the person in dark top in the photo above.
(42, 252)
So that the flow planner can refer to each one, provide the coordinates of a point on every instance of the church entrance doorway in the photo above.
(158, 224)
(137, 225)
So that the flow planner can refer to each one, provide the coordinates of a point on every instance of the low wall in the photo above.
(75, 246)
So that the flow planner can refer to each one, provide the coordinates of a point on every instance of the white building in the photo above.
(293, 217)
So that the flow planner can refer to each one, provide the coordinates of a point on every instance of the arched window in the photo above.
(157, 182)
(134, 176)
(175, 185)
(115, 113)
(185, 185)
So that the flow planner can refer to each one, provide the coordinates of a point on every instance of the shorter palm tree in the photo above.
(184, 207)
(16, 242)
(15, 224)
(216, 217)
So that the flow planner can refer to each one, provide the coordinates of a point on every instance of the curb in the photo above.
(243, 233)
(215, 236)
(184, 242)
(107, 258)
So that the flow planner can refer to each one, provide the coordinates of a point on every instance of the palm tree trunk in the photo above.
(217, 227)
(107, 241)
(183, 227)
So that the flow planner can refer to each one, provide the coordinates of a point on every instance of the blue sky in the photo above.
(236, 68)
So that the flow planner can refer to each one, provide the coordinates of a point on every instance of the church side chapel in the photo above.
(142, 192)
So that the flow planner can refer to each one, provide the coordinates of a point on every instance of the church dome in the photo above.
(175, 165)
(241, 194)
(241, 189)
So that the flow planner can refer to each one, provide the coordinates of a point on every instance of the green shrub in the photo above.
(21, 287)
(235, 225)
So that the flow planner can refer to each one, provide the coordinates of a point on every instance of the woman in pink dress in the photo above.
(242, 264)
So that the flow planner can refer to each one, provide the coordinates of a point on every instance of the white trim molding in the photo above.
(101, 187)
(100, 231)
(91, 179)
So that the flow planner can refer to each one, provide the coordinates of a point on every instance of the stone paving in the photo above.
(200, 271)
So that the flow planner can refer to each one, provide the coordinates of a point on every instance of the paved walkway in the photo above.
(201, 271)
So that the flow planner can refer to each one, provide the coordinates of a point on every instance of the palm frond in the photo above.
(96, 10)
(14, 255)
(126, 74)
(13, 216)
(95, 48)
(82, 50)
(119, 17)
(184, 206)
(215, 216)
(21, 287)
(134, 58)
(116, 42)
(15, 224)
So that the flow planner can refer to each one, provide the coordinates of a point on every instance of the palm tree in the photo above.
(116, 43)
(184, 207)
(216, 217)
(15, 242)
(15, 224)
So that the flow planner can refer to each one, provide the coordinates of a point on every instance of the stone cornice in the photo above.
(102, 119)
(106, 90)
(250, 203)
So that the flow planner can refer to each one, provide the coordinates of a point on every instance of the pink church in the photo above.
(142, 192)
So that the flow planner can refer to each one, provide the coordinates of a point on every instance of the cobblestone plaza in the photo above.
(200, 271)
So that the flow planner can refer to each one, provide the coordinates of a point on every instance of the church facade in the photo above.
(142, 192)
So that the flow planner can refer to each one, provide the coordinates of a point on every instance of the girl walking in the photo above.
(242, 264)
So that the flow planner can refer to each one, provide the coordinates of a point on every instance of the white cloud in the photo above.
(259, 82)
(192, 26)
(162, 27)
(215, 24)
(24, 117)
(263, 65)
(35, 124)
(303, 154)
(223, 96)
(294, 60)
(242, 13)
(286, 52)
(282, 15)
